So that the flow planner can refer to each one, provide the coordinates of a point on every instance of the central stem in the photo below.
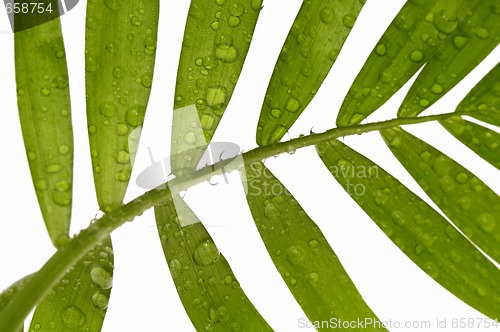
(54, 269)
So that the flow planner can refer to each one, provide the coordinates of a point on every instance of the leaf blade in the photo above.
(483, 101)
(45, 117)
(311, 48)
(418, 230)
(301, 253)
(209, 291)
(397, 58)
(475, 37)
(119, 61)
(469, 203)
(216, 41)
(80, 299)
(479, 139)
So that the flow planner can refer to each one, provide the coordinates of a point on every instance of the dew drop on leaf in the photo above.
(100, 300)
(487, 222)
(380, 49)
(295, 254)
(107, 109)
(175, 268)
(135, 115)
(101, 278)
(416, 56)
(233, 21)
(72, 317)
(327, 15)
(256, 4)
(206, 253)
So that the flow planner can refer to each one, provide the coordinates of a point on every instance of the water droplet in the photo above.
(292, 105)
(134, 20)
(313, 244)
(216, 97)
(60, 54)
(236, 9)
(313, 278)
(482, 33)
(228, 280)
(416, 56)
(45, 91)
(487, 222)
(295, 254)
(72, 317)
(462, 178)
(175, 268)
(441, 166)
(481, 291)
(333, 54)
(227, 54)
(398, 218)
(107, 109)
(123, 157)
(101, 278)
(380, 49)
(460, 41)
(146, 80)
(53, 168)
(256, 4)
(190, 137)
(233, 21)
(446, 21)
(206, 121)
(111, 4)
(135, 115)
(349, 20)
(220, 2)
(37, 327)
(271, 211)
(437, 89)
(100, 300)
(209, 62)
(327, 15)
(276, 113)
(206, 253)
(40, 184)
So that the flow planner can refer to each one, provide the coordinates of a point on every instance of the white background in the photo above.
(143, 296)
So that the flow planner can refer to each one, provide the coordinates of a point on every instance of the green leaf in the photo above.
(396, 58)
(469, 203)
(80, 299)
(45, 116)
(426, 237)
(483, 101)
(209, 291)
(475, 37)
(10, 292)
(120, 41)
(301, 253)
(311, 48)
(481, 140)
(216, 41)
